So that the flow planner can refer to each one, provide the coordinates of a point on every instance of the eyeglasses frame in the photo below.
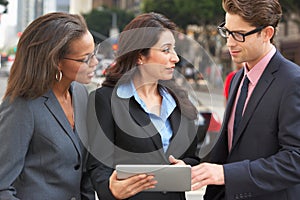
(89, 58)
(221, 27)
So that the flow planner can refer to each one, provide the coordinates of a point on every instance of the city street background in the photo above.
(200, 44)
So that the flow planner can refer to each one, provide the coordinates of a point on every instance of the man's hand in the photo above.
(207, 174)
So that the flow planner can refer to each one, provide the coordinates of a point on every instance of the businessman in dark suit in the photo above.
(257, 155)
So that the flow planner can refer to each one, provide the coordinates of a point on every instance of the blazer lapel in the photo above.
(79, 98)
(145, 123)
(223, 139)
(180, 141)
(56, 110)
(127, 109)
(263, 84)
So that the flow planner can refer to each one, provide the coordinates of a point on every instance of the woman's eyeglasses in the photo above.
(240, 37)
(89, 57)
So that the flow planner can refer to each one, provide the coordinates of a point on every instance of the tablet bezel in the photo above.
(171, 178)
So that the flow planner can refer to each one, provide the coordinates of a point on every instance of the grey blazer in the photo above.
(41, 156)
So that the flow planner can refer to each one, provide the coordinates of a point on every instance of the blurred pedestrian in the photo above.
(143, 117)
(257, 155)
(228, 78)
(44, 109)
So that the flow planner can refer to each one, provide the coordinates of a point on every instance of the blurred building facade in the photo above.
(31, 9)
(21, 13)
(289, 39)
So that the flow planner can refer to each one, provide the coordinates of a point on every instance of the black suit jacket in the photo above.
(264, 162)
(122, 133)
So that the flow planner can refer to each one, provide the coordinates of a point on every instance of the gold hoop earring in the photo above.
(58, 76)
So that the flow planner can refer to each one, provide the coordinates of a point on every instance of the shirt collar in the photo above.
(127, 90)
(255, 73)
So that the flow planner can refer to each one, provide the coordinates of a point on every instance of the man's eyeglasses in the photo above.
(89, 57)
(240, 37)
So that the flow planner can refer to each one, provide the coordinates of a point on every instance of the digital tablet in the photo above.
(173, 178)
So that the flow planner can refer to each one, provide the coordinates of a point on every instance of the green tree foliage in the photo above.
(186, 12)
(203, 13)
(100, 21)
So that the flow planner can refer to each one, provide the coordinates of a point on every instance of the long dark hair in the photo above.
(43, 43)
(136, 39)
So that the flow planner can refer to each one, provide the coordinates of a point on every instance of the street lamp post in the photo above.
(114, 32)
(114, 29)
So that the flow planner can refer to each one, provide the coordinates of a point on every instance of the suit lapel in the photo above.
(180, 140)
(56, 110)
(79, 98)
(145, 123)
(260, 89)
(223, 139)
(127, 110)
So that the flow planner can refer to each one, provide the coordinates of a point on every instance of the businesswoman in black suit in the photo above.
(140, 115)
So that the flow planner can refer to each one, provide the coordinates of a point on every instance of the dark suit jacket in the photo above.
(264, 162)
(41, 156)
(122, 133)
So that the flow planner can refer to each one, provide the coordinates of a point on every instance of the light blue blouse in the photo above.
(161, 123)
